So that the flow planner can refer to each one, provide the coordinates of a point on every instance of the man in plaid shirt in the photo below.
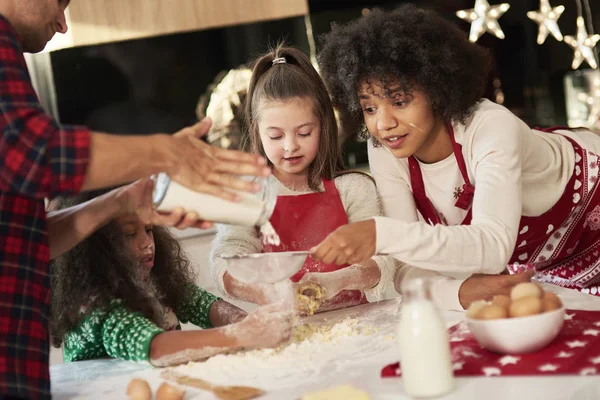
(41, 159)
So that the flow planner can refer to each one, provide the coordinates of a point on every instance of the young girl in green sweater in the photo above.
(123, 292)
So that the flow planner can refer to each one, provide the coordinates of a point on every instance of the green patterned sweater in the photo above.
(117, 332)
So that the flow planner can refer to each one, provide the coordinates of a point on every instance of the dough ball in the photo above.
(169, 392)
(310, 297)
(528, 289)
(475, 308)
(525, 306)
(138, 389)
(501, 300)
(492, 311)
(343, 392)
(550, 302)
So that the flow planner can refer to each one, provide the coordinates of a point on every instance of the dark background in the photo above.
(149, 85)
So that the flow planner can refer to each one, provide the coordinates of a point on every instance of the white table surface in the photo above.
(108, 378)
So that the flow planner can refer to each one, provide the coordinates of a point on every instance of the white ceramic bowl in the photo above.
(518, 335)
(265, 267)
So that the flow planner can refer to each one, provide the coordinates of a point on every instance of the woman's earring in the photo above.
(363, 133)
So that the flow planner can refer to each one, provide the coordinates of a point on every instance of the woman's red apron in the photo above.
(563, 244)
(304, 221)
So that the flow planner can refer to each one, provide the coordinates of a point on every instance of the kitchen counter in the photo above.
(353, 360)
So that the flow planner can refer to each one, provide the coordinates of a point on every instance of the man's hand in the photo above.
(209, 169)
(349, 244)
(136, 198)
(482, 287)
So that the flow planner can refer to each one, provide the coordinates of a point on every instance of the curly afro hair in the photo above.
(409, 46)
(100, 269)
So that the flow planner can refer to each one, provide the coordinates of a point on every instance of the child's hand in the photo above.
(331, 282)
(267, 326)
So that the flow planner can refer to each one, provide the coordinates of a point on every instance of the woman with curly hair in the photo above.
(466, 185)
(123, 291)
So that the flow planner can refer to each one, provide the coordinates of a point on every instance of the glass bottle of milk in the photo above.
(424, 344)
(254, 209)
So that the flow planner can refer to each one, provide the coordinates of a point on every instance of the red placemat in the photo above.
(575, 351)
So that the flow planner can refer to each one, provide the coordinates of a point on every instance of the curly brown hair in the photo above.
(411, 47)
(100, 269)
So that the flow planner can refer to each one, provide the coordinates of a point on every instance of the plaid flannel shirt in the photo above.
(38, 159)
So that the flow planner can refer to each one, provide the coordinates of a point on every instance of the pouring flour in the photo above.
(251, 210)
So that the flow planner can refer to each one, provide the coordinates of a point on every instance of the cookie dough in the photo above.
(310, 297)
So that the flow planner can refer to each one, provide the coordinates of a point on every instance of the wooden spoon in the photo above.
(221, 392)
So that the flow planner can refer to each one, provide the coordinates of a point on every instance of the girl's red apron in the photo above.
(304, 221)
(563, 244)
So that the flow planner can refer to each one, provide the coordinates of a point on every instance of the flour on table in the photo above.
(315, 333)
(316, 350)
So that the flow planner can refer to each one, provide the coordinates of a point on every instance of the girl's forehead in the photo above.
(293, 112)
(128, 220)
(292, 102)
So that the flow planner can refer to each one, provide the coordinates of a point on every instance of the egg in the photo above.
(169, 392)
(501, 300)
(525, 306)
(492, 311)
(138, 389)
(528, 289)
(550, 302)
(475, 307)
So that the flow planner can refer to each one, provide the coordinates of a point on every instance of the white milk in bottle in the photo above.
(254, 209)
(424, 344)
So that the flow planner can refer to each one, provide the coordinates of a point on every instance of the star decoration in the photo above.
(484, 18)
(457, 365)
(588, 371)
(469, 353)
(591, 332)
(508, 360)
(595, 360)
(491, 371)
(548, 368)
(564, 354)
(576, 343)
(547, 19)
(583, 44)
(569, 317)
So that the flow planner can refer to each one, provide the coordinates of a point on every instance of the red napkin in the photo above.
(576, 351)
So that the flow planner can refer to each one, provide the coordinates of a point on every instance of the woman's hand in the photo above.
(482, 287)
(268, 326)
(349, 244)
(136, 198)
